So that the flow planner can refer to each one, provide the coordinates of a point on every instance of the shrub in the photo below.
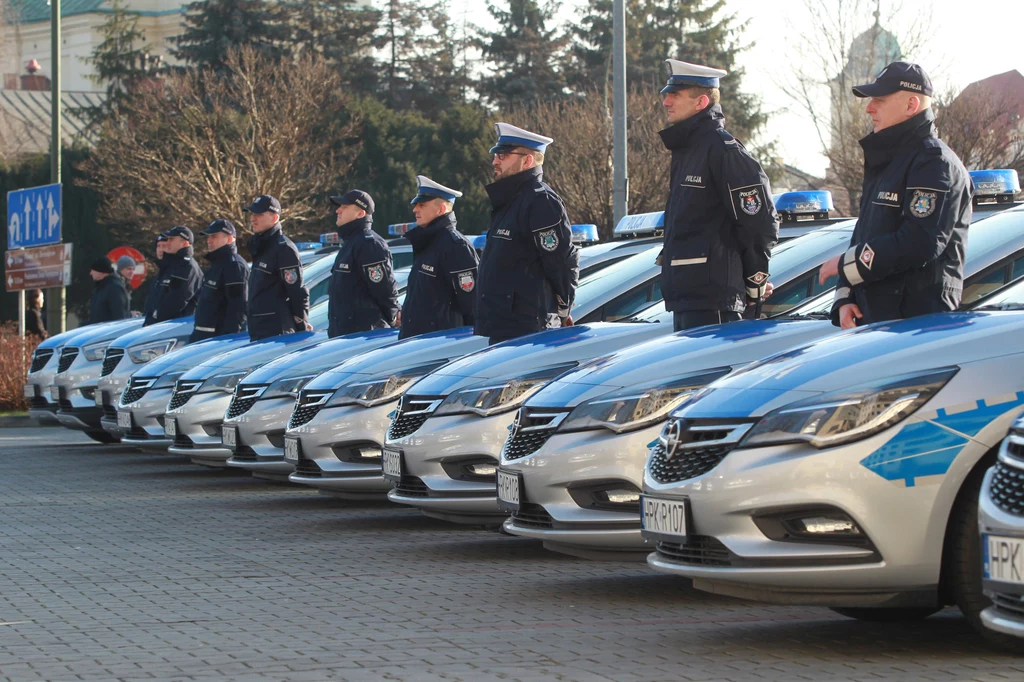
(15, 356)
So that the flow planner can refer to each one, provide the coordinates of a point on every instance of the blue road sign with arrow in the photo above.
(33, 216)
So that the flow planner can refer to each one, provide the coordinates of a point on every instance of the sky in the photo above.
(966, 41)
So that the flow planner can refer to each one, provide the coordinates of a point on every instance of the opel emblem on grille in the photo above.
(516, 423)
(671, 437)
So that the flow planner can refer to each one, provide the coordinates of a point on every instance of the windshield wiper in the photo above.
(808, 316)
(1001, 306)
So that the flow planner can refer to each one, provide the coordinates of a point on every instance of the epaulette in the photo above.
(728, 140)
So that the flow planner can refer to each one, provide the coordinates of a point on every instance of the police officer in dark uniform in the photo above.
(153, 295)
(110, 298)
(442, 284)
(180, 278)
(363, 294)
(720, 222)
(278, 300)
(906, 256)
(225, 290)
(530, 266)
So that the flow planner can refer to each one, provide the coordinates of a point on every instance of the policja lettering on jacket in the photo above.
(225, 290)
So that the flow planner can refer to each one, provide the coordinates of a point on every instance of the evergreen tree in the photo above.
(523, 54)
(344, 35)
(212, 27)
(441, 79)
(121, 62)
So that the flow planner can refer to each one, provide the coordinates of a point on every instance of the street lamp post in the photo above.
(620, 174)
(56, 304)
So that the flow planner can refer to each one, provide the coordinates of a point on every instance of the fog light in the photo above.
(368, 453)
(89, 393)
(826, 524)
(816, 524)
(482, 469)
(620, 496)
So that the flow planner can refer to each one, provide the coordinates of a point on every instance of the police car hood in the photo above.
(253, 355)
(180, 328)
(862, 356)
(649, 364)
(104, 332)
(323, 356)
(426, 351)
(64, 338)
(186, 357)
(534, 352)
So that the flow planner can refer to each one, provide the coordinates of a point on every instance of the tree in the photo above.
(211, 140)
(343, 35)
(983, 125)
(215, 27)
(523, 54)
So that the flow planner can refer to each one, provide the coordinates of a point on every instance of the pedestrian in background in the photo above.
(35, 324)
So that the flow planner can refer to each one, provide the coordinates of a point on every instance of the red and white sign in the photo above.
(139, 276)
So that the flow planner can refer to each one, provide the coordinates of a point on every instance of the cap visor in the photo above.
(420, 198)
(502, 148)
(339, 201)
(872, 90)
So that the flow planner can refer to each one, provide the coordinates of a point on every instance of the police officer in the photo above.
(363, 294)
(109, 298)
(530, 266)
(180, 278)
(222, 298)
(442, 285)
(153, 295)
(906, 256)
(720, 222)
(278, 300)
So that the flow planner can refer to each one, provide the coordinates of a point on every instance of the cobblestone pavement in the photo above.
(128, 566)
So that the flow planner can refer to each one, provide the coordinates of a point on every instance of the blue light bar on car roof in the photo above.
(804, 203)
(641, 223)
(478, 241)
(305, 246)
(330, 238)
(995, 182)
(400, 229)
(584, 233)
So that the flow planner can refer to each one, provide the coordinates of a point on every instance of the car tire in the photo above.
(102, 437)
(887, 615)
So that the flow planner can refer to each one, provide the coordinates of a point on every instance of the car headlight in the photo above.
(635, 407)
(499, 395)
(148, 351)
(849, 414)
(287, 388)
(377, 390)
(223, 382)
(168, 380)
(95, 351)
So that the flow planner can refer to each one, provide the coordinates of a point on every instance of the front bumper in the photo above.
(260, 446)
(147, 416)
(894, 561)
(332, 445)
(37, 393)
(199, 426)
(108, 394)
(1006, 614)
(428, 484)
(559, 479)
(74, 391)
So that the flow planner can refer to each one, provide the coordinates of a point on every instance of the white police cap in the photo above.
(510, 137)
(428, 189)
(683, 75)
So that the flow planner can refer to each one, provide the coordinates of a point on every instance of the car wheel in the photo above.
(887, 615)
(102, 437)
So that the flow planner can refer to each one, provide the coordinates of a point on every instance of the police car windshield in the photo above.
(318, 316)
(1010, 297)
(317, 268)
(597, 285)
(997, 235)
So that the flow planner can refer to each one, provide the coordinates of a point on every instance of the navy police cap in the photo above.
(179, 231)
(264, 203)
(225, 226)
(895, 77)
(355, 197)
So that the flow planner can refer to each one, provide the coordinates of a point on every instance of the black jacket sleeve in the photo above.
(180, 295)
(119, 301)
(461, 263)
(559, 257)
(290, 269)
(745, 189)
(375, 267)
(236, 293)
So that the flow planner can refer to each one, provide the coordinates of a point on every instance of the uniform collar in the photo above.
(881, 147)
(354, 228)
(503, 191)
(422, 237)
(678, 135)
(183, 254)
(223, 253)
(259, 239)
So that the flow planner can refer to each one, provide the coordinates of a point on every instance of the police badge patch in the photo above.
(548, 240)
(467, 281)
(291, 275)
(758, 278)
(867, 256)
(375, 273)
(750, 201)
(922, 204)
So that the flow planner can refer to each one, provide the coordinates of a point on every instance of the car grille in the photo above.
(699, 449)
(38, 403)
(412, 412)
(307, 406)
(40, 358)
(244, 453)
(532, 515)
(243, 400)
(65, 405)
(308, 468)
(530, 431)
(1009, 604)
(684, 466)
(109, 411)
(1007, 488)
(183, 392)
(698, 550)
(111, 359)
(411, 486)
(67, 356)
(135, 389)
(181, 440)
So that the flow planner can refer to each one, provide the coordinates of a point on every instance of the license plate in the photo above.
(391, 463)
(291, 449)
(30, 390)
(1003, 559)
(55, 393)
(229, 437)
(124, 419)
(663, 518)
(171, 427)
(509, 487)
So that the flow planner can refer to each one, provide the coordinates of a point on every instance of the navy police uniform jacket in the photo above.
(906, 256)
(153, 295)
(109, 300)
(180, 279)
(222, 298)
(530, 266)
(277, 295)
(363, 294)
(442, 284)
(720, 222)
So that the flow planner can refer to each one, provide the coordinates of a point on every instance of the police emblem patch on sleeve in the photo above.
(758, 278)
(750, 201)
(867, 256)
(375, 273)
(922, 204)
(291, 275)
(548, 240)
(467, 281)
